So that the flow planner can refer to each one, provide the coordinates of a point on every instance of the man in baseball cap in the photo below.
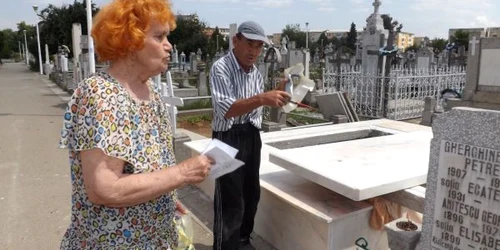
(238, 95)
(253, 31)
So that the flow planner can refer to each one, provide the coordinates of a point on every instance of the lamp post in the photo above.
(307, 35)
(35, 8)
(26, 53)
(90, 40)
(20, 52)
(217, 47)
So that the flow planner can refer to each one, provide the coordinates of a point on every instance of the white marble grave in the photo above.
(364, 168)
(490, 59)
(295, 213)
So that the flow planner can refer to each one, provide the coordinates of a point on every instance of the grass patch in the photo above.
(299, 117)
(195, 119)
(200, 104)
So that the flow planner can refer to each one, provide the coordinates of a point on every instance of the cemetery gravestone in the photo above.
(183, 61)
(84, 56)
(374, 38)
(198, 54)
(443, 58)
(175, 55)
(461, 59)
(194, 63)
(47, 69)
(473, 44)
(76, 42)
(490, 60)
(233, 29)
(462, 209)
(299, 56)
(316, 56)
(425, 57)
(482, 87)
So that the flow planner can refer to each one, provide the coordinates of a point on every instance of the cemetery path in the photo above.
(34, 183)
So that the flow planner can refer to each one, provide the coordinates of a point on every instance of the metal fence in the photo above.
(398, 96)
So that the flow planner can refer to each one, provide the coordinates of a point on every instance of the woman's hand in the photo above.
(195, 169)
(179, 208)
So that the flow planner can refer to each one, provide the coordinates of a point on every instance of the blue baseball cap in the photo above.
(253, 31)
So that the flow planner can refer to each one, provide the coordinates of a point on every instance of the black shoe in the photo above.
(245, 245)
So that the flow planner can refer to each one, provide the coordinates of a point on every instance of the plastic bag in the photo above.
(299, 88)
(184, 225)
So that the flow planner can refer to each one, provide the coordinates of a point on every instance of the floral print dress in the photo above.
(102, 114)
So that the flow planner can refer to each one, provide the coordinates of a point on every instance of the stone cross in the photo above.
(167, 95)
(47, 58)
(376, 4)
(183, 57)
(329, 48)
(473, 43)
(175, 54)
(183, 61)
(198, 54)
(284, 43)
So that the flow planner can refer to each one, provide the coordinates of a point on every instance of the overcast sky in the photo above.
(430, 18)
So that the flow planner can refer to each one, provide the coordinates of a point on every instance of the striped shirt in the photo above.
(229, 82)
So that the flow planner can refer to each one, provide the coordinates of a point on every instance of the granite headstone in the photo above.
(462, 204)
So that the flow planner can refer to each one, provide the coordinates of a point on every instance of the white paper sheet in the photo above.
(223, 155)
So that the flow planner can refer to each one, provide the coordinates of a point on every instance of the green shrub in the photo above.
(201, 104)
(196, 119)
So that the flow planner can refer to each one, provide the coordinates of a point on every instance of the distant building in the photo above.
(186, 17)
(478, 32)
(417, 41)
(493, 32)
(404, 40)
(330, 34)
(223, 31)
(276, 39)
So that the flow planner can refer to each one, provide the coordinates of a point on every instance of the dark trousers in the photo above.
(237, 193)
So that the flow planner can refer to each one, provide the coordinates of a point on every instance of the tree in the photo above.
(30, 37)
(189, 34)
(438, 44)
(55, 28)
(3, 44)
(352, 37)
(414, 47)
(391, 25)
(216, 42)
(322, 42)
(461, 38)
(394, 27)
(57, 24)
(295, 34)
(8, 43)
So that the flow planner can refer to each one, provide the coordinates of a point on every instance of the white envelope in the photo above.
(223, 155)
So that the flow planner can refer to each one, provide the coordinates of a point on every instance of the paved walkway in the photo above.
(34, 181)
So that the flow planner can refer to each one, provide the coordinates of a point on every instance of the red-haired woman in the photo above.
(123, 169)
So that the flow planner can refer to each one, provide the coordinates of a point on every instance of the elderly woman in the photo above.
(123, 170)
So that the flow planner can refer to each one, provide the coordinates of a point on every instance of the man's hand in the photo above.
(275, 98)
(282, 82)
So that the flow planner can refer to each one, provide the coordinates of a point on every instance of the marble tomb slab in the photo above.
(296, 213)
(362, 168)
